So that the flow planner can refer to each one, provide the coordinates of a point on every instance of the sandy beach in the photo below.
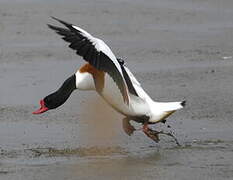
(178, 49)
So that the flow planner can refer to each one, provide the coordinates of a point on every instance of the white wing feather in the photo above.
(100, 45)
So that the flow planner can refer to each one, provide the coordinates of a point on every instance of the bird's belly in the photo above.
(160, 117)
(113, 96)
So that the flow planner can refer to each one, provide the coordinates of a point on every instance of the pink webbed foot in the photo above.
(154, 135)
(127, 127)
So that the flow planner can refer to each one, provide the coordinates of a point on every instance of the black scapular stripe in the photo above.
(128, 81)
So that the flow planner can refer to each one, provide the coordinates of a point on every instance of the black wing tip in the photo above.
(54, 18)
(55, 28)
(61, 21)
(51, 26)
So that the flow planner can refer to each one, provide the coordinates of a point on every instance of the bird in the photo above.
(109, 76)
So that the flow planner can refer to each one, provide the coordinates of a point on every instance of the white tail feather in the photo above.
(170, 106)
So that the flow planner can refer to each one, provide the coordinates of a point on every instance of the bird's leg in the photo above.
(127, 127)
(150, 133)
(154, 135)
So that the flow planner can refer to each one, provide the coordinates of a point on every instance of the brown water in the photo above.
(178, 49)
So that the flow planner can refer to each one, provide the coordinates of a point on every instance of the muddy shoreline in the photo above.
(178, 50)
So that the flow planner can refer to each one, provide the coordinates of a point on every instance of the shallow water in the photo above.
(176, 49)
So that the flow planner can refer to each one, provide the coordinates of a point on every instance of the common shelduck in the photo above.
(111, 79)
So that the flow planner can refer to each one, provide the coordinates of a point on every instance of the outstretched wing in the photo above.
(94, 51)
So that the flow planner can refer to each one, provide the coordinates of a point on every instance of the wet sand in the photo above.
(178, 49)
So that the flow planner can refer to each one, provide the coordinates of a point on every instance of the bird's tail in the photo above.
(164, 109)
(172, 106)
